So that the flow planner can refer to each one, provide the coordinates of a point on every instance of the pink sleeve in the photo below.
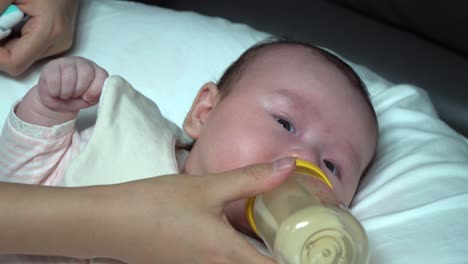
(38, 155)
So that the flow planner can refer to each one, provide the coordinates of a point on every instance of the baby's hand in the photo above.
(68, 85)
(65, 86)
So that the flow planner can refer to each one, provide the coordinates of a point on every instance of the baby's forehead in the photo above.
(288, 52)
(306, 63)
(296, 61)
(309, 60)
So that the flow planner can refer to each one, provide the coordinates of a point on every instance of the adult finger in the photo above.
(59, 46)
(250, 181)
(19, 53)
(247, 253)
(64, 14)
(4, 4)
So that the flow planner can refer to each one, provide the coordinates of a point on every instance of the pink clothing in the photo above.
(38, 155)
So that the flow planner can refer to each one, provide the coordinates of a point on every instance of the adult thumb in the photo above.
(4, 4)
(251, 180)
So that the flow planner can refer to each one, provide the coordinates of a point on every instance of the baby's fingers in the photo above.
(95, 84)
(50, 80)
(68, 73)
(59, 78)
(85, 72)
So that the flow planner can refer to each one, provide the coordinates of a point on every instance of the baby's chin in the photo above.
(235, 213)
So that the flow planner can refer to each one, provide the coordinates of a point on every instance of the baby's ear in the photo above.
(202, 106)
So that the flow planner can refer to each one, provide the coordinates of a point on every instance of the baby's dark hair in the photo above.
(234, 72)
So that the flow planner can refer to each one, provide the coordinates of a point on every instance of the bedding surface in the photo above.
(413, 201)
(425, 49)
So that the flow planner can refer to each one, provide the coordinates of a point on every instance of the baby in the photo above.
(279, 99)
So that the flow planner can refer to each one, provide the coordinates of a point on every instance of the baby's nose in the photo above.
(305, 154)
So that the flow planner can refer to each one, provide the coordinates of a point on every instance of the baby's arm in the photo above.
(38, 142)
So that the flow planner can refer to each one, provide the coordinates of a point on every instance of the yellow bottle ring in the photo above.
(306, 167)
(303, 167)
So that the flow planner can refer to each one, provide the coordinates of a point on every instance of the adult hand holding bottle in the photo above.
(166, 219)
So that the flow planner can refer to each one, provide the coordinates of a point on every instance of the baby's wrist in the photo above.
(31, 110)
(42, 116)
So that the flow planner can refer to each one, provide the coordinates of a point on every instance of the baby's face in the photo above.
(288, 102)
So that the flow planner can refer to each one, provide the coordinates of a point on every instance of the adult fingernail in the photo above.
(284, 164)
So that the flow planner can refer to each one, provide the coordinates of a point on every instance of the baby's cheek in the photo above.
(242, 152)
(343, 192)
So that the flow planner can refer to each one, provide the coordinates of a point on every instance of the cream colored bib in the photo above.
(131, 140)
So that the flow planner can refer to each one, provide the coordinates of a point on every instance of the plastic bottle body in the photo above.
(302, 221)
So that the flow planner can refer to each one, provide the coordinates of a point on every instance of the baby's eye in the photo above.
(285, 124)
(331, 167)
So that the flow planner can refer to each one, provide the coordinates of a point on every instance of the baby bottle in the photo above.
(302, 221)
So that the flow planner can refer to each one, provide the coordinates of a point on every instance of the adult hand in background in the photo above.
(49, 31)
(181, 219)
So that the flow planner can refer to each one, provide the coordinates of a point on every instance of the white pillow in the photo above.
(414, 200)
